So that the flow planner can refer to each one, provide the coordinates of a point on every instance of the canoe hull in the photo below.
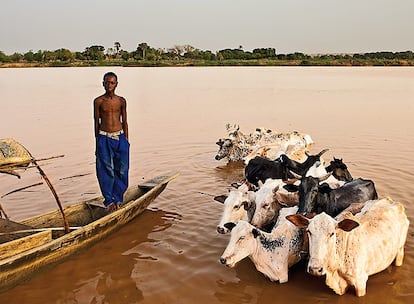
(22, 266)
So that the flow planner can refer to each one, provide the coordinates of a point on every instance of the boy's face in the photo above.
(110, 83)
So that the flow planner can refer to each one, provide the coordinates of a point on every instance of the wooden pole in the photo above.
(42, 173)
(3, 212)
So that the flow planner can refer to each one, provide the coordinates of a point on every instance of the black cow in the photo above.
(339, 170)
(260, 169)
(317, 198)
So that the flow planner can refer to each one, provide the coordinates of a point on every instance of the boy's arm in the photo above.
(124, 117)
(96, 116)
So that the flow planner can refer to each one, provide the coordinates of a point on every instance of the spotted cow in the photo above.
(272, 253)
(347, 252)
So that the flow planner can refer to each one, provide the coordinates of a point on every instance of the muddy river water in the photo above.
(170, 254)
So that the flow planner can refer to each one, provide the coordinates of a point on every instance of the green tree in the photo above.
(16, 57)
(29, 56)
(264, 53)
(38, 56)
(64, 55)
(125, 55)
(95, 52)
(4, 57)
(142, 49)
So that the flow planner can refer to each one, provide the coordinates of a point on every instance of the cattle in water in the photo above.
(316, 198)
(238, 205)
(260, 169)
(347, 252)
(236, 145)
(271, 197)
(272, 253)
(297, 152)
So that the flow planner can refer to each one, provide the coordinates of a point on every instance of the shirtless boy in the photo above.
(112, 146)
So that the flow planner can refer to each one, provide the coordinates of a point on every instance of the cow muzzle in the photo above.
(227, 262)
(222, 230)
(316, 271)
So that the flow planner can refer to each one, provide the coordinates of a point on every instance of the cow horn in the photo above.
(295, 175)
(322, 152)
(220, 198)
(325, 177)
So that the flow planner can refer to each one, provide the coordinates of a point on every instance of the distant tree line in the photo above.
(146, 55)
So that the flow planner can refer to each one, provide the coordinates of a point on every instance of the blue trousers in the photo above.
(112, 166)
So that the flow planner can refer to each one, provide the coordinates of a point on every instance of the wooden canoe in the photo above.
(30, 245)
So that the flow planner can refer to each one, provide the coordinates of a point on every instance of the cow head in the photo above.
(241, 244)
(302, 168)
(236, 207)
(322, 231)
(231, 146)
(267, 206)
(339, 170)
(308, 192)
(225, 145)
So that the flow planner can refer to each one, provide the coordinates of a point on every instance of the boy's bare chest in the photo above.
(110, 105)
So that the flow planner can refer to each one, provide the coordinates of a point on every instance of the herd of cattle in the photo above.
(291, 207)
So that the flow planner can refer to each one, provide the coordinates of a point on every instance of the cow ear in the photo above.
(348, 225)
(255, 232)
(298, 220)
(247, 205)
(235, 185)
(220, 198)
(229, 225)
(291, 187)
(276, 189)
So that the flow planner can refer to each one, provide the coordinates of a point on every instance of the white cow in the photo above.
(238, 205)
(350, 250)
(269, 200)
(236, 145)
(273, 151)
(272, 253)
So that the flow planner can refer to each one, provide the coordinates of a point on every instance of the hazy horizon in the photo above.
(310, 27)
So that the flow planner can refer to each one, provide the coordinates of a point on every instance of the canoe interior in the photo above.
(80, 214)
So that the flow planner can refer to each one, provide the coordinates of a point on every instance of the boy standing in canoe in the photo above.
(112, 146)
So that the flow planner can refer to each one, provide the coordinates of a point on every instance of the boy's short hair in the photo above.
(110, 74)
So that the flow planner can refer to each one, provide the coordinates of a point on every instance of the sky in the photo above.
(306, 26)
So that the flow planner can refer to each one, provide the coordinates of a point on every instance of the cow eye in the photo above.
(236, 207)
(266, 205)
(241, 238)
(332, 234)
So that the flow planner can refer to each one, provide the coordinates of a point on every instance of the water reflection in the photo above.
(102, 273)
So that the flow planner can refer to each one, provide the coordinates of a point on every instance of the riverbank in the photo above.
(201, 63)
